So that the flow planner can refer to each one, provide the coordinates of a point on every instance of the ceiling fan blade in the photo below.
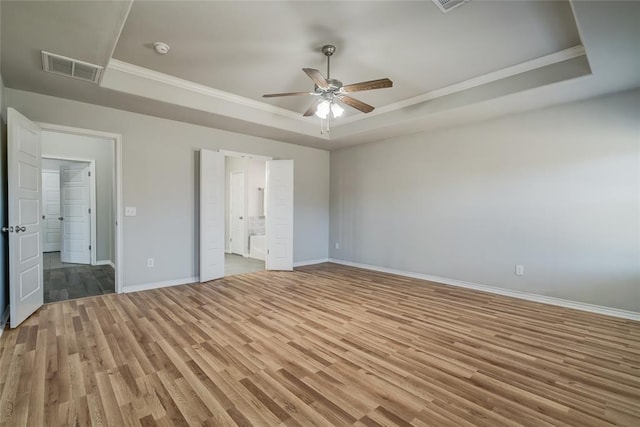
(372, 84)
(274, 95)
(358, 105)
(317, 77)
(312, 109)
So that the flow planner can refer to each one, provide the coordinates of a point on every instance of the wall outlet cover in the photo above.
(519, 270)
(150, 262)
(130, 211)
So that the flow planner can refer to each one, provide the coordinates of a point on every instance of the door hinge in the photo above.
(89, 173)
(89, 247)
(89, 210)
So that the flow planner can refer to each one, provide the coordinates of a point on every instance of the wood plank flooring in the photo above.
(324, 345)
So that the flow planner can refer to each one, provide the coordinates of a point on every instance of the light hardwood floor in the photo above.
(324, 345)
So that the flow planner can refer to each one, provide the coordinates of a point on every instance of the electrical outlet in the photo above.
(150, 262)
(519, 270)
(337, 245)
(130, 211)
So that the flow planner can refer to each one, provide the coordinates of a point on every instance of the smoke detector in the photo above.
(446, 5)
(61, 65)
(161, 48)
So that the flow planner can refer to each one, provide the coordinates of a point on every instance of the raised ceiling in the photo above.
(249, 51)
(477, 61)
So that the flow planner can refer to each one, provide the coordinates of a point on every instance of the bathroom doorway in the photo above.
(245, 240)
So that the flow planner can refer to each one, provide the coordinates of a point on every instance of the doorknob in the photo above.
(43, 217)
(240, 218)
(60, 218)
(9, 229)
(19, 229)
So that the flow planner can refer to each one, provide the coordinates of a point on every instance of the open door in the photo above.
(51, 211)
(211, 215)
(279, 215)
(26, 294)
(75, 205)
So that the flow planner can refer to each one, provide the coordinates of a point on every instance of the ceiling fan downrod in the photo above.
(328, 50)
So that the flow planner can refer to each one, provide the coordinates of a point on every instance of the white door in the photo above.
(25, 195)
(279, 215)
(51, 210)
(211, 215)
(75, 204)
(237, 214)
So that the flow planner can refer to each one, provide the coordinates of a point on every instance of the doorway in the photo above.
(78, 251)
(69, 211)
(245, 177)
(271, 208)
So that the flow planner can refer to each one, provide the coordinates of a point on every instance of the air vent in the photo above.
(58, 64)
(446, 5)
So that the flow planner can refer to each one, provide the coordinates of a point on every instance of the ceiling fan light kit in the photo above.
(331, 91)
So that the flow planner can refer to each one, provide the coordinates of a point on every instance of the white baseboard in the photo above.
(4, 319)
(106, 262)
(156, 285)
(609, 311)
(310, 262)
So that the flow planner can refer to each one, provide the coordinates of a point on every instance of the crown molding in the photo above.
(523, 67)
(152, 84)
(167, 79)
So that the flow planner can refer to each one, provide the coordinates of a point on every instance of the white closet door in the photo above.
(211, 215)
(24, 178)
(279, 215)
(51, 210)
(75, 202)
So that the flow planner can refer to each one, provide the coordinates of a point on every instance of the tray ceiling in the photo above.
(478, 61)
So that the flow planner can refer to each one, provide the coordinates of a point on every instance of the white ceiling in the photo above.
(480, 60)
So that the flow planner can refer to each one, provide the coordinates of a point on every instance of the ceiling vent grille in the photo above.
(446, 5)
(58, 64)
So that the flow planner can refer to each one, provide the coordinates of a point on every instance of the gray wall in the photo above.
(102, 151)
(556, 190)
(159, 178)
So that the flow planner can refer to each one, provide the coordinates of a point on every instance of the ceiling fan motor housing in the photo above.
(328, 49)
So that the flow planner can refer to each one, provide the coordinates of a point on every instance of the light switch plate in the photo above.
(130, 211)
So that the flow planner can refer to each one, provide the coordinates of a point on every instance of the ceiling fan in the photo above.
(329, 91)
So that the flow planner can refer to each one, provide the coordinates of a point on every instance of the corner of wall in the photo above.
(4, 244)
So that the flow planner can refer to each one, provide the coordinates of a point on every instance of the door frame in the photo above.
(117, 197)
(92, 201)
(244, 211)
